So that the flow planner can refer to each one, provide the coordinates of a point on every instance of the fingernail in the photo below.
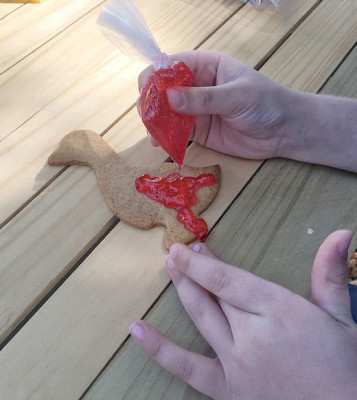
(176, 97)
(170, 262)
(137, 331)
(196, 247)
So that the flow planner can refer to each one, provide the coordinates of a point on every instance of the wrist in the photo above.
(320, 129)
(303, 118)
(292, 139)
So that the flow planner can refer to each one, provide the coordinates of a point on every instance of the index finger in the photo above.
(234, 285)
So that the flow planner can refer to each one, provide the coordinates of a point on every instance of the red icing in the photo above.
(170, 129)
(178, 192)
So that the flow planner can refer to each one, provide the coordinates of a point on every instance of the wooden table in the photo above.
(73, 277)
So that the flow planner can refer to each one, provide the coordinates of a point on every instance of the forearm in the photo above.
(322, 130)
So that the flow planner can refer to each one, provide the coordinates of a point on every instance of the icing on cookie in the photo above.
(178, 192)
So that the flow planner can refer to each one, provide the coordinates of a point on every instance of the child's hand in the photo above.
(239, 111)
(270, 343)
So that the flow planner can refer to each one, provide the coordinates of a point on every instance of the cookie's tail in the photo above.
(81, 147)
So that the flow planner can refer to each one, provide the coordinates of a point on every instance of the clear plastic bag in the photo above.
(286, 8)
(122, 22)
(264, 3)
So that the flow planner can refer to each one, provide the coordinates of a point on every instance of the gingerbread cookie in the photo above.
(118, 182)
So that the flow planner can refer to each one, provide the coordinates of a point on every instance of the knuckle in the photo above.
(184, 369)
(197, 310)
(206, 98)
(218, 281)
(231, 97)
(156, 352)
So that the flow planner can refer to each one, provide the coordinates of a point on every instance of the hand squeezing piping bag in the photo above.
(122, 22)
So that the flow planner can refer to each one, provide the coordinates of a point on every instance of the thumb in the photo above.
(329, 282)
(202, 100)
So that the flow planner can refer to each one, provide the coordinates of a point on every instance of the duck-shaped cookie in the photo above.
(119, 183)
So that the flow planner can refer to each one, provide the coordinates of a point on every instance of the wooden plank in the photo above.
(273, 245)
(90, 335)
(332, 47)
(74, 52)
(54, 66)
(7, 7)
(23, 154)
(249, 24)
(31, 26)
(22, 248)
(20, 178)
(344, 81)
